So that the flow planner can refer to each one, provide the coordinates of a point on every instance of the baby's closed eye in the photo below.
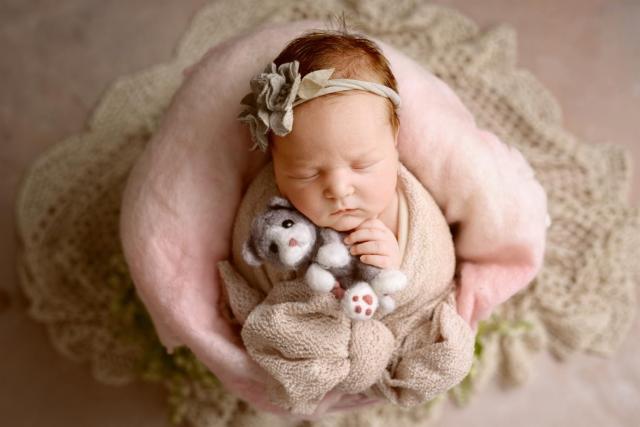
(364, 165)
(302, 173)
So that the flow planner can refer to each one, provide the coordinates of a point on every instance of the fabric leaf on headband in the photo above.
(313, 82)
(270, 103)
(276, 90)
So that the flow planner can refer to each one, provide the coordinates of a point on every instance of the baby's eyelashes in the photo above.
(303, 177)
(360, 167)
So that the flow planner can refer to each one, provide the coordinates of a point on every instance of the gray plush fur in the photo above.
(269, 241)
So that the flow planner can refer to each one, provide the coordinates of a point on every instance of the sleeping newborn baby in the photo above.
(339, 167)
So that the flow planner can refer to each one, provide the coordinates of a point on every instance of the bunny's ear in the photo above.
(279, 202)
(249, 254)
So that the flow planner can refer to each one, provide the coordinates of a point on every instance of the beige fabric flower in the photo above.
(270, 103)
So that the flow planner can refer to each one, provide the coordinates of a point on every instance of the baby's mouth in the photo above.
(343, 211)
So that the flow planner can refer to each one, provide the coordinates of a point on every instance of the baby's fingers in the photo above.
(365, 234)
(380, 261)
(373, 247)
(373, 223)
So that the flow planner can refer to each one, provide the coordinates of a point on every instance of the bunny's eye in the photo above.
(273, 248)
(287, 223)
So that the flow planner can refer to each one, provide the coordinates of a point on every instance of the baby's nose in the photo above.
(338, 186)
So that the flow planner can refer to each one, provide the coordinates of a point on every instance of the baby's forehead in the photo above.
(332, 129)
(352, 111)
(326, 153)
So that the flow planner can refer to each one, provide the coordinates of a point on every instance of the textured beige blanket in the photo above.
(309, 346)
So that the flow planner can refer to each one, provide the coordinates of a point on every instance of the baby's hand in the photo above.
(376, 244)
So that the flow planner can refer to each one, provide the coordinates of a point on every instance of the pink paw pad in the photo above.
(337, 290)
(362, 302)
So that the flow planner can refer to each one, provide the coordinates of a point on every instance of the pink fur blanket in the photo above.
(183, 194)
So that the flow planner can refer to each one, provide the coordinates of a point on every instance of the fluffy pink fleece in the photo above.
(183, 193)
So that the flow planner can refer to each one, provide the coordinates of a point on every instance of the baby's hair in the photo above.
(352, 55)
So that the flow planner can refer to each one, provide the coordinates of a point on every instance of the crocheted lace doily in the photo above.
(71, 265)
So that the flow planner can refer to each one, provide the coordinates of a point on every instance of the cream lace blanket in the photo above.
(583, 300)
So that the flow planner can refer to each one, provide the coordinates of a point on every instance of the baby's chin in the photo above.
(344, 223)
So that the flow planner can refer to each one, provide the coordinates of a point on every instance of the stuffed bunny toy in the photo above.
(284, 237)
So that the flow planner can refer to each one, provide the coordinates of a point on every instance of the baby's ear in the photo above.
(249, 254)
(279, 202)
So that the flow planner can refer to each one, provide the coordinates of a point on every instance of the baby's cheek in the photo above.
(306, 202)
(378, 197)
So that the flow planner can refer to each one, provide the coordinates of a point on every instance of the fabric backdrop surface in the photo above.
(583, 301)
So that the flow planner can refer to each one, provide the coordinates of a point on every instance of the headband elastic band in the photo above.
(277, 90)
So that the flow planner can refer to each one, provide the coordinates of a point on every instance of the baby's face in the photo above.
(340, 155)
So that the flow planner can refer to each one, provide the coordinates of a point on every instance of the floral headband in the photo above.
(275, 92)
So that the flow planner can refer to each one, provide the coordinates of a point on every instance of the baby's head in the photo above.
(341, 153)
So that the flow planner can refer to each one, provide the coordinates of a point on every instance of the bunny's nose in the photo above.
(293, 242)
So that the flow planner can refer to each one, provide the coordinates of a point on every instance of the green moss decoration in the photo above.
(495, 326)
(180, 372)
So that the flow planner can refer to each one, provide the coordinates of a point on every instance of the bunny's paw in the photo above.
(360, 301)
